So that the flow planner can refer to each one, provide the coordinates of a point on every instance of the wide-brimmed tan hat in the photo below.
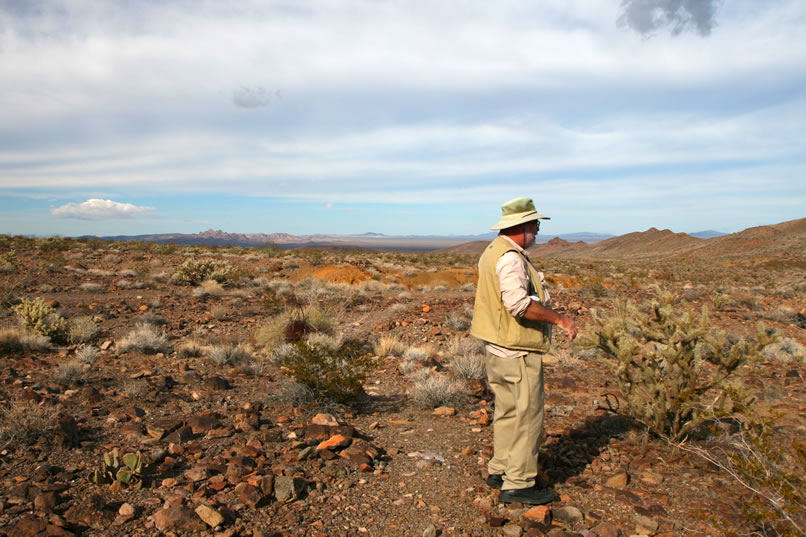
(518, 211)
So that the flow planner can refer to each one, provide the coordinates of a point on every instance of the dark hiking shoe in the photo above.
(530, 496)
(495, 481)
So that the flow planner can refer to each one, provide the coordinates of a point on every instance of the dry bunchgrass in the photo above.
(82, 329)
(86, 354)
(785, 350)
(229, 354)
(389, 345)
(434, 390)
(470, 367)
(457, 322)
(145, 338)
(190, 349)
(18, 340)
(209, 288)
(21, 424)
(398, 308)
(71, 373)
(90, 287)
(271, 333)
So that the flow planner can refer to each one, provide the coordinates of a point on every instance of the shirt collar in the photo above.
(513, 243)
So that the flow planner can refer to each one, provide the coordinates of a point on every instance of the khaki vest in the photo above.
(491, 320)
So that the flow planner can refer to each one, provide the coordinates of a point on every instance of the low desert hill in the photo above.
(784, 240)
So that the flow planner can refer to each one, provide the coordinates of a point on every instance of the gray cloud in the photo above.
(98, 209)
(257, 97)
(646, 16)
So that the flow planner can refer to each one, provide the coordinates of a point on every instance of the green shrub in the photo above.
(195, 271)
(331, 374)
(672, 367)
(41, 318)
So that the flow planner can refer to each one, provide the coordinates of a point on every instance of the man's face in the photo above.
(530, 230)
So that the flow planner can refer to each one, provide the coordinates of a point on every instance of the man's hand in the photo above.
(536, 312)
(568, 324)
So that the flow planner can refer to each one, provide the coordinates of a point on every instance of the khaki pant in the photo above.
(518, 419)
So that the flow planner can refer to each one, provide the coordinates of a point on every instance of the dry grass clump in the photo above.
(145, 338)
(389, 345)
(71, 373)
(785, 350)
(90, 287)
(470, 367)
(292, 393)
(190, 349)
(21, 424)
(82, 329)
(435, 390)
(229, 354)
(127, 273)
(398, 307)
(457, 322)
(86, 354)
(219, 312)
(329, 342)
(272, 333)
(283, 352)
(209, 288)
(465, 346)
(416, 354)
(18, 340)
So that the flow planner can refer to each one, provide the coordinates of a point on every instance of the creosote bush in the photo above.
(336, 375)
(672, 367)
(82, 329)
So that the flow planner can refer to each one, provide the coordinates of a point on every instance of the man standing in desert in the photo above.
(512, 315)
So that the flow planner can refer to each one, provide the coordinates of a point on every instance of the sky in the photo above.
(128, 117)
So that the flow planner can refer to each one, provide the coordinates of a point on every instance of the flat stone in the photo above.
(288, 489)
(210, 516)
(444, 411)
(605, 529)
(44, 503)
(645, 521)
(177, 517)
(512, 530)
(199, 473)
(618, 481)
(126, 510)
(334, 442)
(203, 423)
(324, 419)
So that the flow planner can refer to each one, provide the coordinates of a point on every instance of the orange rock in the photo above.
(540, 514)
(143, 308)
(426, 308)
(335, 441)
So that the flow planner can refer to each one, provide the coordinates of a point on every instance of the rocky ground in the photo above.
(227, 451)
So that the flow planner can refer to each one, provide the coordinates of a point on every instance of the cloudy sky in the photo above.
(399, 116)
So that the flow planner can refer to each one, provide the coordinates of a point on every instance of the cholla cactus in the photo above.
(195, 271)
(41, 318)
(673, 368)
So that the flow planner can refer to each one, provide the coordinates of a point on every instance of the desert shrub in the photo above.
(330, 342)
(219, 312)
(457, 322)
(389, 345)
(670, 385)
(465, 346)
(17, 340)
(282, 352)
(145, 338)
(335, 375)
(407, 367)
(433, 390)
(785, 350)
(292, 393)
(71, 373)
(229, 354)
(86, 354)
(770, 464)
(190, 349)
(127, 273)
(209, 288)
(317, 319)
(21, 424)
(272, 332)
(405, 295)
(91, 287)
(195, 271)
(471, 366)
(41, 318)
(398, 308)
(720, 301)
(135, 390)
(82, 329)
(416, 354)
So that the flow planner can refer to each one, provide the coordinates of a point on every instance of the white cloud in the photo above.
(98, 209)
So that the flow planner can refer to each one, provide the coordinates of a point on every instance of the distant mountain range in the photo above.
(363, 240)
(785, 241)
